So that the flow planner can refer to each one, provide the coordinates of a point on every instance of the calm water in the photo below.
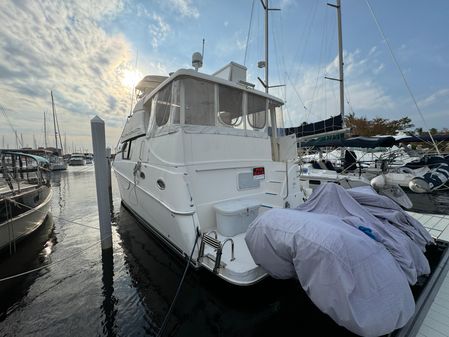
(79, 292)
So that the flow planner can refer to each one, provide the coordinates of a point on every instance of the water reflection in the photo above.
(60, 185)
(32, 252)
(208, 306)
(436, 202)
(108, 306)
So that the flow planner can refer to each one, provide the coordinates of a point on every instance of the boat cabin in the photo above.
(204, 104)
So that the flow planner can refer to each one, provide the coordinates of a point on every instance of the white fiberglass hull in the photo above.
(175, 227)
(178, 231)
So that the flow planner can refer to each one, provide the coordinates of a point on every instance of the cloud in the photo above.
(183, 7)
(159, 30)
(62, 47)
(436, 97)
(310, 97)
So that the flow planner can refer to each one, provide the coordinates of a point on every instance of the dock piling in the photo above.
(101, 181)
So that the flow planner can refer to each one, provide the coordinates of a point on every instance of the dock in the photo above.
(431, 318)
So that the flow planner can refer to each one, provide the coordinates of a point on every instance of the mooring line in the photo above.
(172, 305)
(55, 216)
(53, 263)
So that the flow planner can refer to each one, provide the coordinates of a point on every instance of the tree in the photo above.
(377, 126)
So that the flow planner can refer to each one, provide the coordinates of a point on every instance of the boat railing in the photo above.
(19, 168)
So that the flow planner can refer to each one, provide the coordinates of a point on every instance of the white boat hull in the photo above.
(24, 224)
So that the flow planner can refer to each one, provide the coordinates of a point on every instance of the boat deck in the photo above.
(5, 190)
(433, 318)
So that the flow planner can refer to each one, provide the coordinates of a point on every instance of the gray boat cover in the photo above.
(353, 252)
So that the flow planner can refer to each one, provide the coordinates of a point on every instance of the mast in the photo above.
(340, 62)
(267, 87)
(54, 119)
(264, 64)
(59, 134)
(45, 130)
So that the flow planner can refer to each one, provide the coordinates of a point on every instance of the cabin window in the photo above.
(257, 112)
(230, 110)
(176, 102)
(199, 102)
(162, 109)
(126, 150)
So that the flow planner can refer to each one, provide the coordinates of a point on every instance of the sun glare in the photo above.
(131, 78)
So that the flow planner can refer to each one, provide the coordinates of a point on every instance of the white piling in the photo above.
(101, 181)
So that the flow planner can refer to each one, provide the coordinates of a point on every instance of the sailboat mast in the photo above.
(54, 119)
(45, 130)
(340, 64)
(267, 86)
(59, 134)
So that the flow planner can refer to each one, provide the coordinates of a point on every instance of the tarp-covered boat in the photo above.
(354, 253)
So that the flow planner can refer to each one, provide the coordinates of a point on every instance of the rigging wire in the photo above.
(401, 72)
(10, 124)
(279, 57)
(320, 61)
(305, 38)
(249, 33)
(348, 97)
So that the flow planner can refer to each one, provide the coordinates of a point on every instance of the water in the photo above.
(79, 292)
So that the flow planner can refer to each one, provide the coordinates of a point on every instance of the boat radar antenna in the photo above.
(197, 60)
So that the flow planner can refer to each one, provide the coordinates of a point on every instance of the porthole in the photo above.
(160, 184)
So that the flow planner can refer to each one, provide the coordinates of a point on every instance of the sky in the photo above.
(91, 53)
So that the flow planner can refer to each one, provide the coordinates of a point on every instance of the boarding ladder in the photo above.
(217, 245)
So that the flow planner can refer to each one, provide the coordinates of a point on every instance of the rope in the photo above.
(164, 323)
(401, 72)
(57, 217)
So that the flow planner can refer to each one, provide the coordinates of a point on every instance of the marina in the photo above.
(274, 184)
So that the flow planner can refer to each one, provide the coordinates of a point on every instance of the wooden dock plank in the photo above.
(436, 322)
(437, 325)
(433, 221)
(430, 331)
(444, 236)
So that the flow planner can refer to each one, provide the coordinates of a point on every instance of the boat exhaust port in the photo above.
(207, 239)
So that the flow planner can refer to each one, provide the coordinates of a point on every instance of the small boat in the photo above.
(25, 196)
(89, 158)
(56, 162)
(77, 159)
(425, 175)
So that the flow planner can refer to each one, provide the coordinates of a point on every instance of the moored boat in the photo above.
(25, 196)
(77, 159)
(199, 159)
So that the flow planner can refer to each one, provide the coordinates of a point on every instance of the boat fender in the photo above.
(406, 169)
(378, 182)
(430, 181)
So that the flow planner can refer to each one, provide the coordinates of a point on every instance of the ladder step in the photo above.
(211, 241)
